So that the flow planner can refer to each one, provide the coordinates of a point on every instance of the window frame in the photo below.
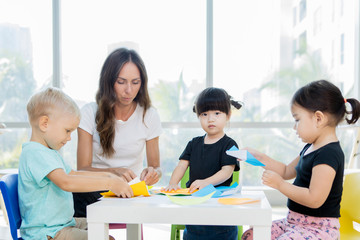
(57, 70)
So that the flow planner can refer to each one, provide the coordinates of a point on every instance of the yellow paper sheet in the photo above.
(138, 189)
(108, 194)
(237, 201)
(190, 200)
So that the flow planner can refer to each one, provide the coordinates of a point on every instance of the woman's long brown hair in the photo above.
(106, 96)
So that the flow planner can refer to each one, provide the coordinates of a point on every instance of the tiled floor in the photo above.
(151, 231)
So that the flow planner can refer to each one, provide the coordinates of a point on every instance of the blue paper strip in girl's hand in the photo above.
(244, 155)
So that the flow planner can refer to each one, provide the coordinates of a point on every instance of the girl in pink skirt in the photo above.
(315, 195)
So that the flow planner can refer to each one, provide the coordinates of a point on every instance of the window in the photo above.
(295, 48)
(25, 66)
(317, 21)
(342, 48)
(25, 54)
(171, 43)
(261, 56)
(332, 62)
(302, 43)
(294, 16)
(302, 10)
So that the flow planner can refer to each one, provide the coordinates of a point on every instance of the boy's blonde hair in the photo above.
(48, 101)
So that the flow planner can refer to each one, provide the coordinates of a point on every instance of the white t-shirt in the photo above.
(130, 137)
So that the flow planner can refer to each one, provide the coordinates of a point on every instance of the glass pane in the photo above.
(25, 54)
(170, 38)
(274, 47)
(69, 151)
(11, 141)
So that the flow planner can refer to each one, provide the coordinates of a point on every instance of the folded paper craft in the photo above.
(135, 180)
(244, 155)
(138, 190)
(235, 188)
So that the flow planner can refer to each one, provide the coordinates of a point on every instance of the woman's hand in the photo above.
(125, 173)
(150, 175)
(272, 179)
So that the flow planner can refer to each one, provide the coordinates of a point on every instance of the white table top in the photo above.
(159, 209)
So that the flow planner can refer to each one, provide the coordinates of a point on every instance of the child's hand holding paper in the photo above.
(138, 187)
(171, 187)
(244, 155)
(198, 184)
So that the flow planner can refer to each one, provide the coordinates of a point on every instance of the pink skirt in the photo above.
(299, 226)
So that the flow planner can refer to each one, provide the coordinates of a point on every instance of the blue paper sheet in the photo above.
(218, 191)
(244, 155)
(207, 190)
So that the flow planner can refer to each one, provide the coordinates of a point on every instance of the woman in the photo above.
(115, 130)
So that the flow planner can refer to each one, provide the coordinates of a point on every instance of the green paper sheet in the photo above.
(190, 200)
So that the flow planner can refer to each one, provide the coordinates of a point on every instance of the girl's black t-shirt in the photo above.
(207, 159)
(332, 155)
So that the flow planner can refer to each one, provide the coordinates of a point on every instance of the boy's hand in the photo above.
(121, 188)
(198, 184)
(171, 187)
(150, 175)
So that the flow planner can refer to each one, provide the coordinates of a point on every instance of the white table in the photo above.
(159, 209)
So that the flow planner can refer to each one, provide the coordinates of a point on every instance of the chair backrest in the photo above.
(9, 191)
(349, 206)
(185, 178)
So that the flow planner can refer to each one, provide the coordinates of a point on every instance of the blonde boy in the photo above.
(46, 181)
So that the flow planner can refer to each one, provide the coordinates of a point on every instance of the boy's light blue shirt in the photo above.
(45, 208)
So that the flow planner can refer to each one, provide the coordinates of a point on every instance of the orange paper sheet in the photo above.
(181, 191)
(237, 201)
(138, 189)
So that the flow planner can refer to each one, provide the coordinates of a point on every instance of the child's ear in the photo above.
(43, 123)
(321, 119)
(228, 115)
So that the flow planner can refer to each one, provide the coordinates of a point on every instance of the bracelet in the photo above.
(159, 171)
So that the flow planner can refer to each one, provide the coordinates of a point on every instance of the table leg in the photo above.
(133, 231)
(98, 231)
(262, 233)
